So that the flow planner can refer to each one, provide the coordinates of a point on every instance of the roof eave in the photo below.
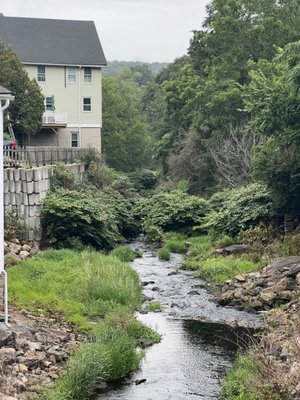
(65, 65)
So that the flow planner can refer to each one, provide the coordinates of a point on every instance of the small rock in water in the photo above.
(139, 381)
(193, 292)
(156, 289)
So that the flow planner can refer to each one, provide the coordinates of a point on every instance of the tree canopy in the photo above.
(25, 112)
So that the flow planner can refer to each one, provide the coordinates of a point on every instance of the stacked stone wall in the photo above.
(24, 192)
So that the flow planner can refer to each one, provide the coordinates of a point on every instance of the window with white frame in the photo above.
(74, 139)
(71, 74)
(87, 104)
(41, 73)
(87, 74)
(49, 103)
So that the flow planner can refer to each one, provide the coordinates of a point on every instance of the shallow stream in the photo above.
(199, 338)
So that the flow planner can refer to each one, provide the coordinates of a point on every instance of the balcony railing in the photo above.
(52, 118)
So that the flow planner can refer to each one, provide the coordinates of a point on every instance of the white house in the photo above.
(66, 59)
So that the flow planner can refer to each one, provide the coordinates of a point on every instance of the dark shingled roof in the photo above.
(53, 41)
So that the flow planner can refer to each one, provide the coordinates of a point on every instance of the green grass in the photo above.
(82, 286)
(240, 380)
(85, 286)
(153, 306)
(214, 268)
(124, 253)
(218, 269)
(176, 246)
(164, 254)
(201, 247)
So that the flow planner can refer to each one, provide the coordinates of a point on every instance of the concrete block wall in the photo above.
(24, 192)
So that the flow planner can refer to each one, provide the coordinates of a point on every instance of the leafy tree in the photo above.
(239, 30)
(125, 139)
(26, 110)
(272, 98)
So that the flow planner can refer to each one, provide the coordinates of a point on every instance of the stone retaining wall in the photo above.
(24, 192)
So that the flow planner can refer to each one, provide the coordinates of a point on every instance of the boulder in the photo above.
(7, 356)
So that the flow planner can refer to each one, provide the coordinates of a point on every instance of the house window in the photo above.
(87, 74)
(71, 75)
(49, 103)
(41, 73)
(74, 139)
(87, 104)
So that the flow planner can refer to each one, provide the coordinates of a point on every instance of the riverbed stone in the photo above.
(7, 355)
(240, 278)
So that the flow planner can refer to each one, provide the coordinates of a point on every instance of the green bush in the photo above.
(164, 254)
(236, 210)
(63, 177)
(144, 179)
(81, 216)
(171, 211)
(124, 253)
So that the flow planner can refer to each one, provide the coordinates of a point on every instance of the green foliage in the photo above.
(63, 177)
(144, 179)
(115, 67)
(218, 269)
(78, 285)
(123, 253)
(170, 211)
(164, 254)
(176, 246)
(97, 214)
(286, 247)
(224, 241)
(235, 210)
(153, 306)
(125, 139)
(240, 381)
(25, 112)
(272, 98)
(86, 216)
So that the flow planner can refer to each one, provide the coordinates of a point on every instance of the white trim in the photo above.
(84, 126)
(65, 65)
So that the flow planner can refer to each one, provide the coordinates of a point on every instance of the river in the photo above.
(199, 338)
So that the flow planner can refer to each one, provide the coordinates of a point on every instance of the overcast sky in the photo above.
(131, 30)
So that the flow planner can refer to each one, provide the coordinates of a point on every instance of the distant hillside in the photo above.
(114, 67)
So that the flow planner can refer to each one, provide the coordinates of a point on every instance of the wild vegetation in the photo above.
(98, 294)
(208, 147)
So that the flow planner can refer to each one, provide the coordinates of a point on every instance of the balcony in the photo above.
(52, 119)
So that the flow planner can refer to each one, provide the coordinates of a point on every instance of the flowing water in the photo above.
(199, 338)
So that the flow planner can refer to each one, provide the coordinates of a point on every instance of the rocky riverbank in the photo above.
(33, 352)
(275, 291)
(276, 284)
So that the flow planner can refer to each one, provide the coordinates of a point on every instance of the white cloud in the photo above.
(148, 30)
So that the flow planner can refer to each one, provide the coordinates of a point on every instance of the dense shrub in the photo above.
(169, 211)
(94, 212)
(144, 179)
(79, 217)
(238, 209)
